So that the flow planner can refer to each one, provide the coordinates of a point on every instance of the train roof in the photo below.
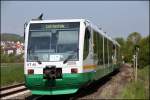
(77, 20)
(56, 20)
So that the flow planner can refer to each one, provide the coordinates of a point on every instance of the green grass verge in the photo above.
(11, 73)
(139, 89)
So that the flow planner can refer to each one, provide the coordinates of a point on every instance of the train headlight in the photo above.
(74, 70)
(30, 71)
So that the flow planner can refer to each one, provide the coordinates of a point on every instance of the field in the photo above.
(11, 73)
(139, 89)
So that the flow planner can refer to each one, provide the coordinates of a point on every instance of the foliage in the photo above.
(11, 58)
(134, 38)
(139, 89)
(11, 37)
(11, 73)
(144, 52)
(128, 48)
(122, 43)
(120, 40)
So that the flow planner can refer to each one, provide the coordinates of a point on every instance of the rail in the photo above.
(10, 90)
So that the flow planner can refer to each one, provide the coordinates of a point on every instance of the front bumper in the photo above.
(70, 83)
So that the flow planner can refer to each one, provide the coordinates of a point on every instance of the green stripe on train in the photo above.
(70, 83)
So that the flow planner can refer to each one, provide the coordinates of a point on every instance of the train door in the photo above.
(88, 64)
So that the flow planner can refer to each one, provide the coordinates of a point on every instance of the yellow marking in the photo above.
(87, 67)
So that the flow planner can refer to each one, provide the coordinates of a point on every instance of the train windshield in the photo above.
(53, 42)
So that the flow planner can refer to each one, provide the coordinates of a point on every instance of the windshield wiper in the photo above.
(37, 59)
(39, 62)
(69, 57)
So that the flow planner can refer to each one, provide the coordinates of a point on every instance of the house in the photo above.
(9, 50)
(19, 48)
(10, 47)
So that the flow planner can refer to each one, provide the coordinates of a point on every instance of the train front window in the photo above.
(55, 43)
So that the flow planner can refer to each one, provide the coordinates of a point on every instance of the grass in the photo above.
(11, 73)
(139, 89)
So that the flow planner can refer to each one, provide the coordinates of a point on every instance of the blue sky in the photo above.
(117, 18)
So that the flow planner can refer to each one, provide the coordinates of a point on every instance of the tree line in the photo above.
(11, 37)
(129, 45)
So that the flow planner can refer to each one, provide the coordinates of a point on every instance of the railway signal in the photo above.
(136, 60)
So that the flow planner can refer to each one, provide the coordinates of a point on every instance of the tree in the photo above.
(122, 43)
(120, 40)
(132, 40)
(11, 37)
(144, 52)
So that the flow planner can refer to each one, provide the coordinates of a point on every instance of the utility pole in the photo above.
(134, 57)
(136, 61)
(136, 49)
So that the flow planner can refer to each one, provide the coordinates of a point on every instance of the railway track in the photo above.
(12, 91)
(93, 87)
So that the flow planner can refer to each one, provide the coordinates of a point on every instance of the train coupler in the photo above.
(52, 73)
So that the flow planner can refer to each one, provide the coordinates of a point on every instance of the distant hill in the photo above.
(11, 37)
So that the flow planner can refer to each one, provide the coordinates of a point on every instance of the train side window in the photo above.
(105, 51)
(95, 42)
(113, 47)
(118, 55)
(86, 43)
(100, 48)
(110, 51)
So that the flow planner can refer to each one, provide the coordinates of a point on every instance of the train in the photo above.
(63, 55)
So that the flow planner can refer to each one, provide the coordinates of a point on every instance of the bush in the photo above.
(11, 58)
(144, 52)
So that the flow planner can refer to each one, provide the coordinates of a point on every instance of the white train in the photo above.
(63, 55)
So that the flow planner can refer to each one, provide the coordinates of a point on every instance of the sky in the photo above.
(116, 18)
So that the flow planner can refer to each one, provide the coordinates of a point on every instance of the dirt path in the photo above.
(113, 87)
